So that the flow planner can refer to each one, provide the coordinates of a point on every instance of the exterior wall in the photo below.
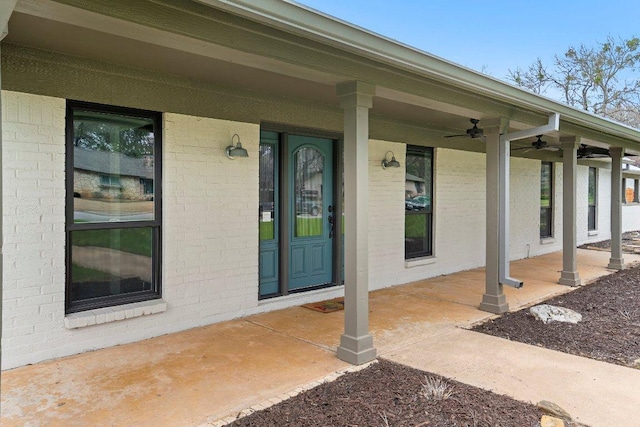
(34, 238)
(210, 229)
(603, 209)
(631, 217)
(210, 222)
(210, 232)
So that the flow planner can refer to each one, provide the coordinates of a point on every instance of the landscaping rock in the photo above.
(550, 313)
(548, 421)
(553, 409)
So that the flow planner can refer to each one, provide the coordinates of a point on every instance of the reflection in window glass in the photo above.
(113, 167)
(593, 196)
(308, 169)
(546, 199)
(418, 202)
(110, 262)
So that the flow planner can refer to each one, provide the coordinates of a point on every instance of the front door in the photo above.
(311, 212)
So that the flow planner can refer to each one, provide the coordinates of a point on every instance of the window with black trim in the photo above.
(113, 205)
(593, 199)
(546, 199)
(418, 220)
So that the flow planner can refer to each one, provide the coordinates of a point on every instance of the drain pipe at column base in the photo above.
(503, 230)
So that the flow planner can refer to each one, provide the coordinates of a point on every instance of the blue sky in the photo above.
(491, 36)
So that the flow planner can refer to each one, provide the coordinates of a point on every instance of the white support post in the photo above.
(356, 344)
(616, 261)
(569, 275)
(494, 300)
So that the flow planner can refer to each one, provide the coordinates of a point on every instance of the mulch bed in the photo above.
(389, 394)
(610, 326)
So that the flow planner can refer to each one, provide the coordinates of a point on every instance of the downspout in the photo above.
(503, 230)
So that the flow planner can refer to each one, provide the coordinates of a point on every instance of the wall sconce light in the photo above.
(234, 151)
(393, 163)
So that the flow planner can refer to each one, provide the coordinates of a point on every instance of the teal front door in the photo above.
(311, 212)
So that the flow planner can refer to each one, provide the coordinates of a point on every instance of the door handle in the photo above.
(332, 224)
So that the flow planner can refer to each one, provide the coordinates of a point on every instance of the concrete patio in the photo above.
(202, 375)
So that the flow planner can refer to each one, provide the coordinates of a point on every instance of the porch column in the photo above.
(356, 344)
(616, 261)
(569, 275)
(494, 300)
(636, 187)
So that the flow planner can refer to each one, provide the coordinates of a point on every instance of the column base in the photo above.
(616, 263)
(570, 278)
(496, 304)
(356, 350)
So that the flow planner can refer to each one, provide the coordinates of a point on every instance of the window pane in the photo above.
(592, 186)
(418, 202)
(309, 170)
(111, 262)
(545, 222)
(545, 185)
(113, 167)
(267, 192)
(417, 240)
(546, 199)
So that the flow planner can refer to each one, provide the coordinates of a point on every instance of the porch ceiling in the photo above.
(196, 41)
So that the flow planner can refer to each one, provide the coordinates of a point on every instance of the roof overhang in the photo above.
(284, 48)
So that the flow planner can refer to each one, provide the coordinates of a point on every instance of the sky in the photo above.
(492, 36)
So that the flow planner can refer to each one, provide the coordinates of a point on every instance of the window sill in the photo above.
(547, 240)
(417, 262)
(112, 314)
(592, 233)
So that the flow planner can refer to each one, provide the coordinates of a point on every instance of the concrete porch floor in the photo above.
(204, 374)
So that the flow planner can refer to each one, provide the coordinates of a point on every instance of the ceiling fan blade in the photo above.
(456, 136)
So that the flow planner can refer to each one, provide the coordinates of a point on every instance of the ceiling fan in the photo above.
(587, 152)
(538, 144)
(473, 132)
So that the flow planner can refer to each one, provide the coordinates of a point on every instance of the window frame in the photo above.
(155, 224)
(428, 214)
(592, 218)
(548, 210)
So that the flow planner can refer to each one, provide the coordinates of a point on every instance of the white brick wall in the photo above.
(631, 217)
(386, 214)
(210, 227)
(210, 221)
(33, 215)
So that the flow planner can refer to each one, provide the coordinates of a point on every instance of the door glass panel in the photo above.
(267, 194)
(308, 170)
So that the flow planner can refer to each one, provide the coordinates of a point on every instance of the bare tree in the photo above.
(603, 79)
